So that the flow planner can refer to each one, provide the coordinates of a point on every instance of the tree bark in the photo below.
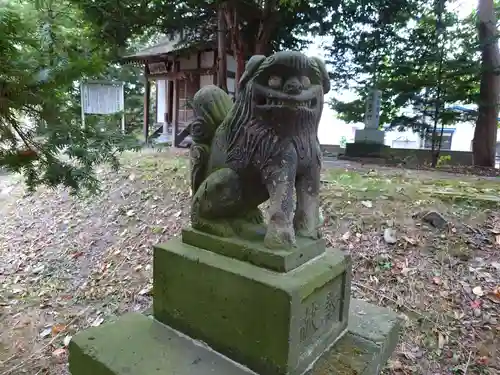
(221, 50)
(485, 133)
(268, 23)
(232, 22)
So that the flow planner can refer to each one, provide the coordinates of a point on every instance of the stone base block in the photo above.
(274, 323)
(369, 136)
(138, 345)
(255, 252)
(365, 150)
(372, 337)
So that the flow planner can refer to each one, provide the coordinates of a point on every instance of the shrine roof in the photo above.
(165, 47)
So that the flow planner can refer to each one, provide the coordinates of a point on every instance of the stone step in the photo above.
(135, 344)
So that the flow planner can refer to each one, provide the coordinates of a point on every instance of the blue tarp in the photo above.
(464, 109)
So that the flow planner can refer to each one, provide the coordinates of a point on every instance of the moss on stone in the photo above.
(252, 315)
(254, 251)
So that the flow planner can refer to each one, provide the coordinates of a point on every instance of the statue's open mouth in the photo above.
(267, 98)
(310, 104)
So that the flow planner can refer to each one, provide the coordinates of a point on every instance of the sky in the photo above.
(331, 128)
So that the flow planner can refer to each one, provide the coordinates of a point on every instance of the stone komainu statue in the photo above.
(259, 149)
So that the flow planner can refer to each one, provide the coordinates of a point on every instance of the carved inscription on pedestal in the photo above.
(321, 311)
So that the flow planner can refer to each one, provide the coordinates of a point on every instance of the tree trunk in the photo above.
(237, 45)
(268, 23)
(221, 50)
(239, 56)
(485, 133)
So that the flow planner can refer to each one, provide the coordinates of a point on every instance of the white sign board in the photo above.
(102, 98)
(372, 112)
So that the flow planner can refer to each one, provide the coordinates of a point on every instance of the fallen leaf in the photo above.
(437, 280)
(441, 340)
(405, 271)
(45, 333)
(494, 295)
(411, 241)
(67, 340)
(130, 213)
(78, 254)
(483, 360)
(394, 364)
(390, 236)
(59, 355)
(367, 204)
(496, 292)
(38, 269)
(58, 328)
(97, 322)
(346, 236)
(478, 291)
(146, 291)
(475, 304)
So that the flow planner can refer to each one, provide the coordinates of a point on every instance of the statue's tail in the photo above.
(210, 105)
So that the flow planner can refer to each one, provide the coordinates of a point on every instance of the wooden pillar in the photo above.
(147, 104)
(221, 50)
(175, 125)
(170, 101)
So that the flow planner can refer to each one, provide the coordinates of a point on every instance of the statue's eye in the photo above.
(306, 82)
(274, 82)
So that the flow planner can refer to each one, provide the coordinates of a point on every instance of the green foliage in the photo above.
(287, 21)
(45, 50)
(343, 141)
(443, 160)
(397, 50)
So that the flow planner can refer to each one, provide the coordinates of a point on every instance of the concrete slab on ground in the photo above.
(373, 334)
(138, 345)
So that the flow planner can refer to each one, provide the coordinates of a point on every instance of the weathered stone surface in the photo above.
(364, 350)
(265, 147)
(255, 252)
(365, 150)
(137, 345)
(369, 136)
(274, 323)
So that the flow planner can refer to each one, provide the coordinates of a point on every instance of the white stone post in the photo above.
(371, 133)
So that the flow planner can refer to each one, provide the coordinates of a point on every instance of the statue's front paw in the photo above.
(314, 234)
(308, 226)
(279, 236)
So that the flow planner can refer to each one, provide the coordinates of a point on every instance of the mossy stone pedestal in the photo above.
(228, 306)
(274, 323)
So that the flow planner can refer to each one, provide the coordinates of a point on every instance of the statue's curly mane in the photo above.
(248, 138)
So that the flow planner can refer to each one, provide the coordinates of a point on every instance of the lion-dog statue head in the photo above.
(286, 91)
(280, 100)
